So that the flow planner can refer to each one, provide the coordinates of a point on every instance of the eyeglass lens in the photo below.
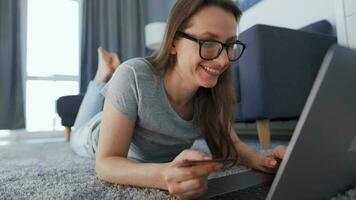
(211, 50)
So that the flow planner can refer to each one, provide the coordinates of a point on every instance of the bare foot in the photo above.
(107, 64)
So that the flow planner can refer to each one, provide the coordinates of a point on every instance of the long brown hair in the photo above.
(212, 106)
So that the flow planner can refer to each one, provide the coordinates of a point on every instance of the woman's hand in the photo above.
(270, 162)
(188, 182)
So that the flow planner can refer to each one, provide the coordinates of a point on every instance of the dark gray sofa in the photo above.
(275, 75)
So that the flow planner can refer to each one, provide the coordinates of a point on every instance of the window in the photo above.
(52, 59)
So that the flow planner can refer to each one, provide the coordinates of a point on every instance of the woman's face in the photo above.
(211, 22)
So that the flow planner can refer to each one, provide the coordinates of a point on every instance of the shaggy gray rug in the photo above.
(53, 171)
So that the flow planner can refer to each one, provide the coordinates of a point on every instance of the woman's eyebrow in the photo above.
(209, 34)
(214, 36)
(232, 39)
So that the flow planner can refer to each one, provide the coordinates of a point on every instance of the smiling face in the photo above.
(212, 23)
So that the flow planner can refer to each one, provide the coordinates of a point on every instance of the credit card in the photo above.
(189, 163)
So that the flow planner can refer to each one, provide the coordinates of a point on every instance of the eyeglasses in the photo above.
(211, 49)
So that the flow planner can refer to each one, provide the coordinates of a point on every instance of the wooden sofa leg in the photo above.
(67, 131)
(264, 133)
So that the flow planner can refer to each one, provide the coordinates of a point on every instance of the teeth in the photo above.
(209, 69)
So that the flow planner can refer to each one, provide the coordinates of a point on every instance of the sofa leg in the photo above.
(264, 133)
(67, 131)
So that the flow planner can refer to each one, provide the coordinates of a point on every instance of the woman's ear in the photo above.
(173, 49)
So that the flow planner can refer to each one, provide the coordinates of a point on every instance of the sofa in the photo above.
(275, 75)
(272, 79)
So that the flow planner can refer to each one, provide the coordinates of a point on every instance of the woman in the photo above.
(156, 107)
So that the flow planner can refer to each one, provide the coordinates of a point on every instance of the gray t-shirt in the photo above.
(136, 90)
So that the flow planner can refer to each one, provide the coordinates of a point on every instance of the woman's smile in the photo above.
(212, 71)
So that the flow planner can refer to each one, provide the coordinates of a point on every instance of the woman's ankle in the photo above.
(101, 78)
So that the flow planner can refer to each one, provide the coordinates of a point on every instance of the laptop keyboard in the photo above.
(254, 192)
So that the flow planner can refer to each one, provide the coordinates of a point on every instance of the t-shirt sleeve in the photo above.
(121, 91)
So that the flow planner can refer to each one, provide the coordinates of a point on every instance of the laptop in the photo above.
(320, 160)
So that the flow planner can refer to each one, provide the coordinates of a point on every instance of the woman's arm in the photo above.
(244, 151)
(112, 164)
(254, 159)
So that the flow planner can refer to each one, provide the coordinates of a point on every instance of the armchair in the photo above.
(276, 73)
(67, 108)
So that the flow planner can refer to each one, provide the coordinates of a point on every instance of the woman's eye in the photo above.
(210, 43)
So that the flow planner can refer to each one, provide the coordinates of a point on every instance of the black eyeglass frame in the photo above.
(224, 45)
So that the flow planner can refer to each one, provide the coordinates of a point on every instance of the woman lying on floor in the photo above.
(156, 107)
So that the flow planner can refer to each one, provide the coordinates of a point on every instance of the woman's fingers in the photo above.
(277, 152)
(269, 162)
(180, 174)
(193, 188)
(192, 194)
(200, 170)
(189, 181)
(190, 154)
(190, 188)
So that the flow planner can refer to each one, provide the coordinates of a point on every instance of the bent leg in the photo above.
(93, 101)
(86, 127)
(88, 121)
(91, 105)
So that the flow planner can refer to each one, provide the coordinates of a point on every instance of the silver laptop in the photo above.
(321, 156)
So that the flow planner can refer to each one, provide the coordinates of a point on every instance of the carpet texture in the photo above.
(53, 171)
